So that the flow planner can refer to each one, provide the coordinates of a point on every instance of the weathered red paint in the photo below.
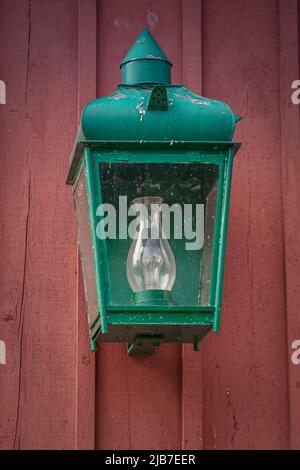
(241, 390)
(85, 360)
(248, 359)
(290, 145)
(38, 245)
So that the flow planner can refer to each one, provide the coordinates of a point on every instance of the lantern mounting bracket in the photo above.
(144, 344)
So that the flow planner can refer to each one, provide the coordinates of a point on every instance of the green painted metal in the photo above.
(128, 128)
(165, 308)
(223, 237)
(145, 47)
(163, 155)
(216, 239)
(213, 147)
(146, 72)
(153, 297)
(124, 116)
(93, 345)
(203, 146)
(155, 318)
(97, 254)
(102, 248)
(146, 62)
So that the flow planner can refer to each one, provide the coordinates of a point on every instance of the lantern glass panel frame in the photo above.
(221, 156)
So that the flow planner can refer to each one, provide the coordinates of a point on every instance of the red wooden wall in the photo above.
(242, 390)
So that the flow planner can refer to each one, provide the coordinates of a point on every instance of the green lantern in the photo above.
(151, 176)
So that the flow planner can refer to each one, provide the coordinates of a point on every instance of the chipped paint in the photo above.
(150, 56)
(141, 110)
(118, 96)
(192, 100)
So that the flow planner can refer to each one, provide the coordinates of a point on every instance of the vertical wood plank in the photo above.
(245, 364)
(38, 237)
(85, 360)
(289, 15)
(13, 237)
(192, 393)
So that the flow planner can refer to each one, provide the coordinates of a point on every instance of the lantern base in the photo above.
(153, 297)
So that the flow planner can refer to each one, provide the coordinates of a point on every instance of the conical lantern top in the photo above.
(146, 62)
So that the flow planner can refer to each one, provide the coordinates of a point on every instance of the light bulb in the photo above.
(150, 262)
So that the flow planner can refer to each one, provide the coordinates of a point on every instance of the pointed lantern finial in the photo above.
(146, 62)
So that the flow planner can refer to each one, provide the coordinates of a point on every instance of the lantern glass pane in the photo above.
(85, 245)
(189, 194)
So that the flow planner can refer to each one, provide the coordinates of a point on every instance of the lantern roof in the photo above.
(147, 108)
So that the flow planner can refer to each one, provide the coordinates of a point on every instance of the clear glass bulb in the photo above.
(150, 262)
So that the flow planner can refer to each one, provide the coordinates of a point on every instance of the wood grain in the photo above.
(290, 154)
(85, 359)
(38, 250)
(245, 365)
